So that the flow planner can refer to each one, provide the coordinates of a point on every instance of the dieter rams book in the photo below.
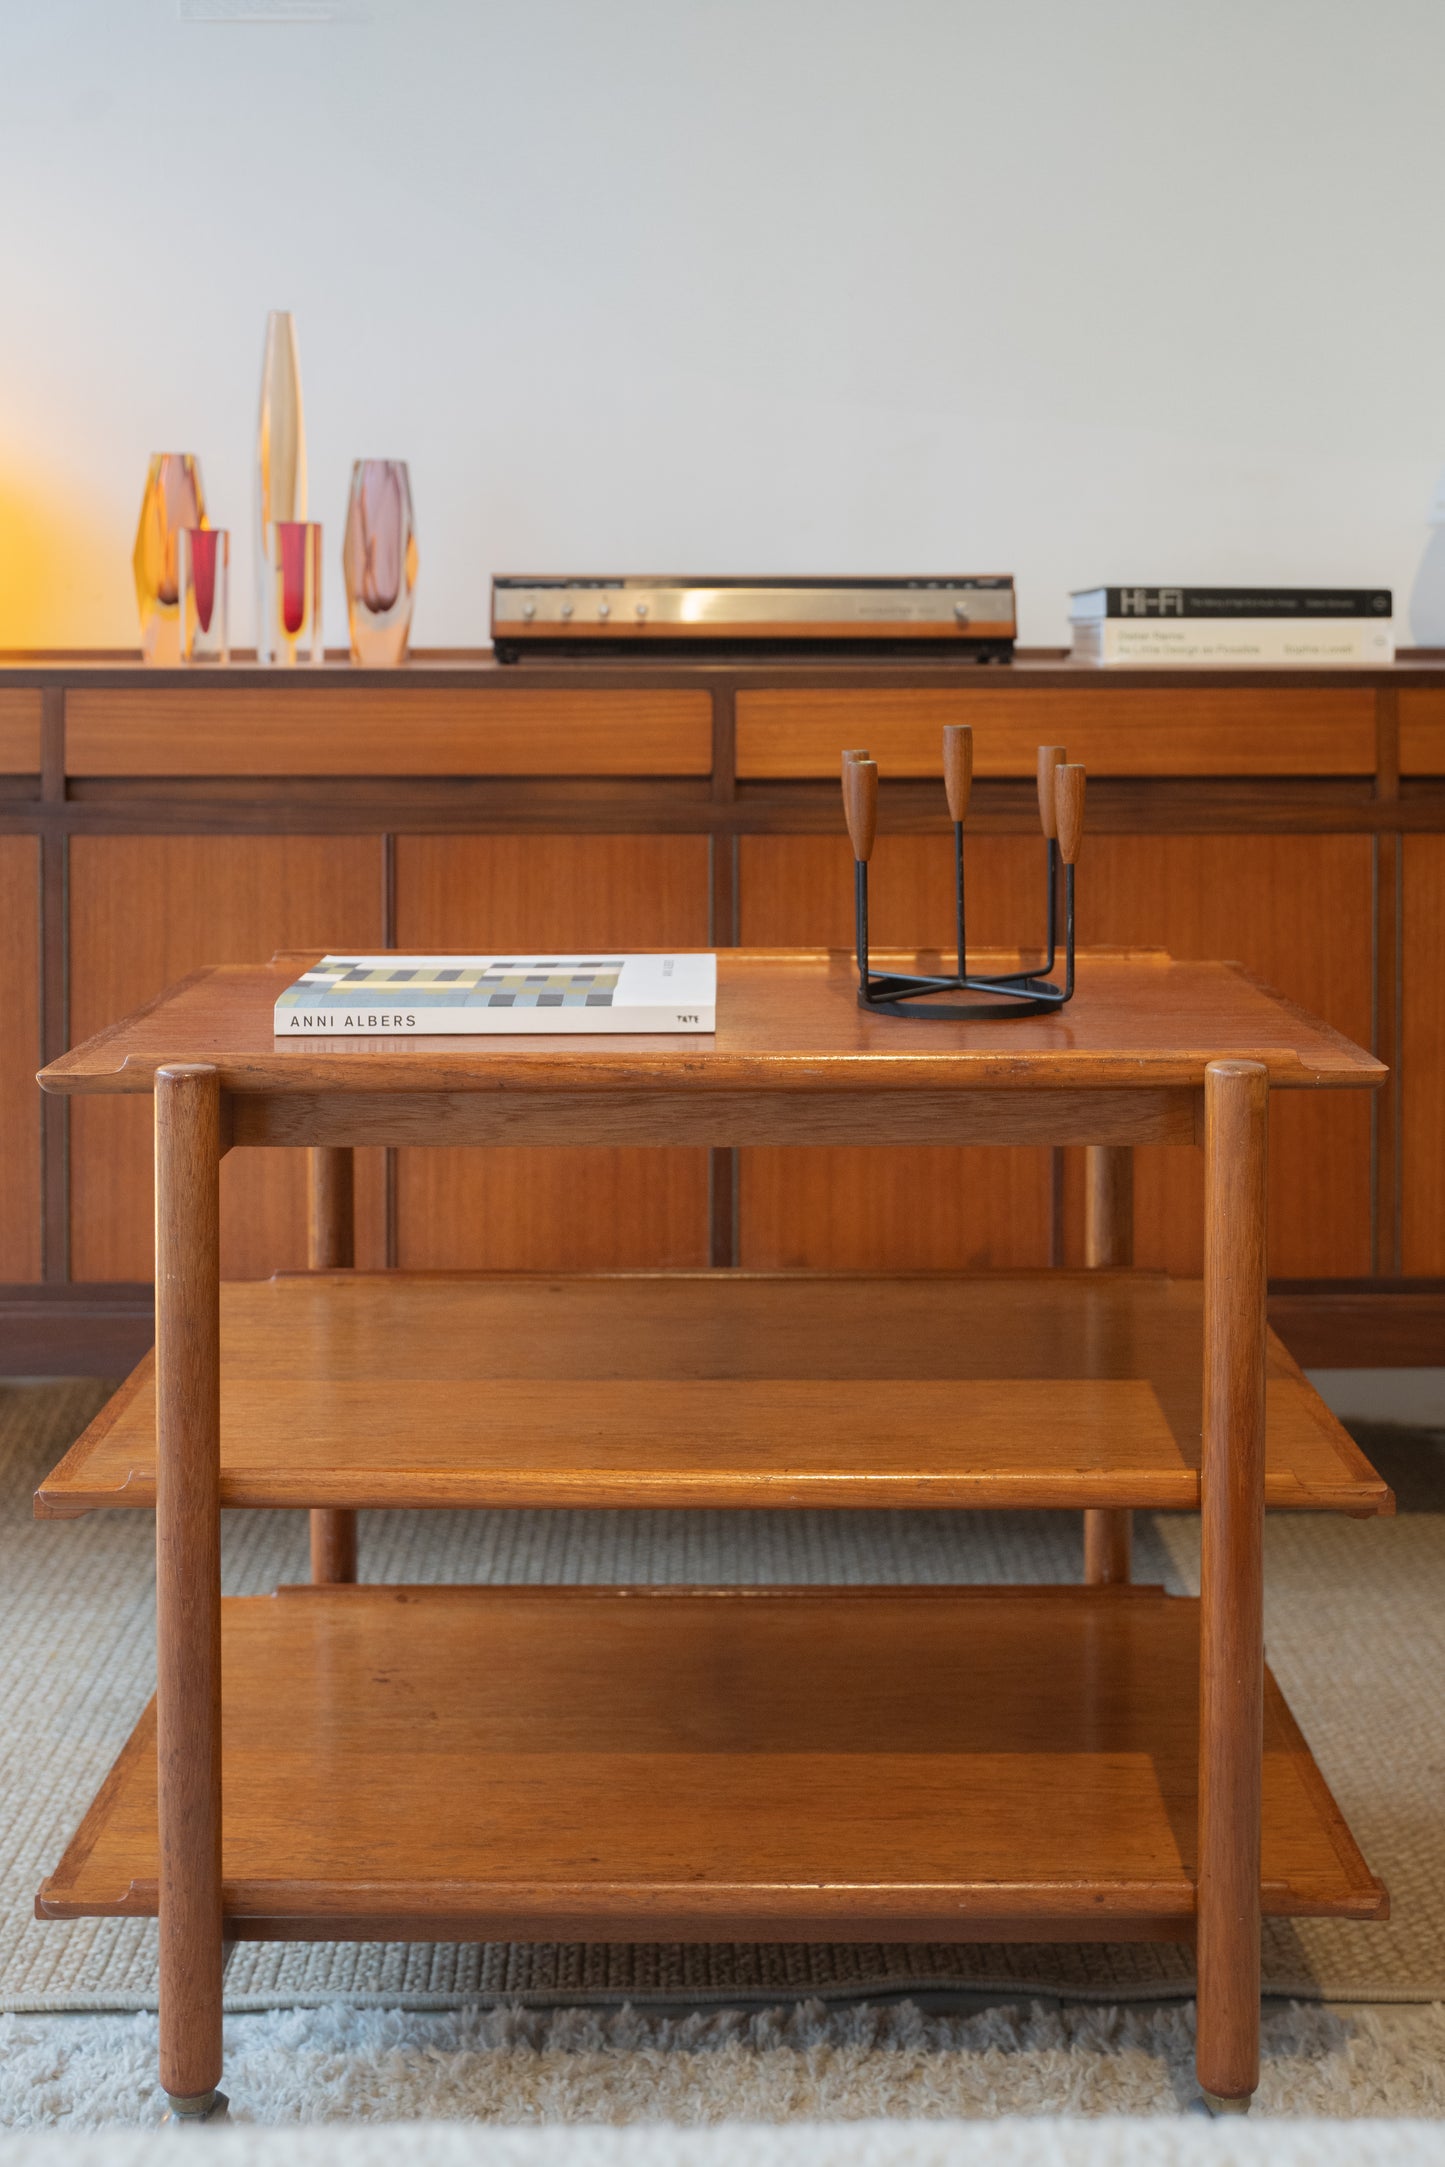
(1299, 627)
(390, 996)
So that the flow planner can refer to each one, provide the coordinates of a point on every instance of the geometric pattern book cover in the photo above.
(380, 996)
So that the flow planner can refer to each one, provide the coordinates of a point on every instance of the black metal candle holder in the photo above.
(1009, 993)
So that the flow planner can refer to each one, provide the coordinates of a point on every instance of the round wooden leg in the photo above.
(1231, 1607)
(333, 1548)
(331, 1247)
(1108, 1547)
(188, 1578)
(1108, 1245)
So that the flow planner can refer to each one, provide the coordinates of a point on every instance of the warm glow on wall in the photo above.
(60, 582)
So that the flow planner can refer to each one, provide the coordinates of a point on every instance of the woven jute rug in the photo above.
(1356, 1632)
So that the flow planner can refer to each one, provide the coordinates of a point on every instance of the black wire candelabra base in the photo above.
(891, 994)
(1010, 994)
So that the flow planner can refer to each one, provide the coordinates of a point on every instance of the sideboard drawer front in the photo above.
(335, 731)
(1422, 733)
(1113, 727)
(19, 733)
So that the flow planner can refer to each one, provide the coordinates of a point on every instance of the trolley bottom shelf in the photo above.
(714, 1764)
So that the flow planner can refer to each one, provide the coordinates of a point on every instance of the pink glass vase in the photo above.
(379, 561)
(204, 557)
(294, 558)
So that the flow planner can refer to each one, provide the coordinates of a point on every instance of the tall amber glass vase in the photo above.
(378, 559)
(280, 464)
(174, 498)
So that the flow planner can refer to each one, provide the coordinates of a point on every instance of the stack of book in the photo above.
(1298, 627)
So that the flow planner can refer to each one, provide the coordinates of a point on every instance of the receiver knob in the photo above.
(604, 609)
(641, 609)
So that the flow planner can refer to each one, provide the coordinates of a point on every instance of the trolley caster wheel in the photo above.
(205, 2107)
(1214, 2105)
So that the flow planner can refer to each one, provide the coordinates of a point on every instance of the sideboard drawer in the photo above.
(427, 731)
(1114, 728)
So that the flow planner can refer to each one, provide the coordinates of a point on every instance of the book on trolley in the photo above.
(556, 992)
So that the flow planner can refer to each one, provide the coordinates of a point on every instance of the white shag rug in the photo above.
(1050, 2143)
(807, 2063)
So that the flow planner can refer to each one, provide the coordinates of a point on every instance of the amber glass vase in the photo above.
(378, 561)
(174, 499)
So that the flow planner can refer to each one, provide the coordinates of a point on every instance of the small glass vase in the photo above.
(280, 461)
(174, 499)
(379, 561)
(203, 560)
(293, 551)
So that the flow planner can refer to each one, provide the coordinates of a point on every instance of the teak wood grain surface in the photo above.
(1054, 1389)
(561, 1208)
(932, 1207)
(188, 1576)
(20, 713)
(788, 1023)
(272, 892)
(1113, 728)
(334, 730)
(1295, 910)
(781, 1764)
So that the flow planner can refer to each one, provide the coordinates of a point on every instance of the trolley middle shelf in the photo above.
(715, 1388)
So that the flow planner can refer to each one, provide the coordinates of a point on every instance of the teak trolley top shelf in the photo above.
(798, 1764)
(787, 1026)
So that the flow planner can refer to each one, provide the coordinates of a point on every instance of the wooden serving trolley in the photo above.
(1094, 1762)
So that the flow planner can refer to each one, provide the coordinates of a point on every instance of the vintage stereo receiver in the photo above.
(970, 618)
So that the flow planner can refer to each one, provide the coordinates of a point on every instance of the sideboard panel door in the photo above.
(891, 1208)
(145, 910)
(20, 1057)
(1295, 910)
(586, 1208)
(1422, 1057)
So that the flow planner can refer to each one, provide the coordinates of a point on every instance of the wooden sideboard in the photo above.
(153, 820)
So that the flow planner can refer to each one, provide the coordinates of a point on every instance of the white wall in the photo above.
(1082, 289)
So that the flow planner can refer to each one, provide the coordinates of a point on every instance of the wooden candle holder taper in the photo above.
(1009, 993)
